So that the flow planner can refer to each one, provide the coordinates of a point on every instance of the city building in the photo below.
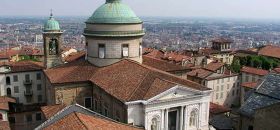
(249, 79)
(260, 104)
(112, 81)
(218, 78)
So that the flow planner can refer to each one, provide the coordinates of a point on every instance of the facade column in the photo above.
(162, 119)
(181, 118)
(186, 118)
(166, 119)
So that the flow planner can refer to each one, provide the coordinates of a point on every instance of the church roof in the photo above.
(126, 80)
(51, 25)
(114, 11)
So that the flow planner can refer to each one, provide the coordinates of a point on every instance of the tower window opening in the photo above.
(101, 51)
(125, 50)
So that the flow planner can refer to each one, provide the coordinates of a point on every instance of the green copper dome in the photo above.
(113, 11)
(51, 25)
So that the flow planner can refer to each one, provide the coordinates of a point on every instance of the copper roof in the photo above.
(255, 71)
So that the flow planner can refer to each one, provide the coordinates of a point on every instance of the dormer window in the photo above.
(101, 51)
(125, 50)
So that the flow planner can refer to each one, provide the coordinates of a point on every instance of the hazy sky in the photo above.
(266, 9)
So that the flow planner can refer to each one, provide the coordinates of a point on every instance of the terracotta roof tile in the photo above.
(49, 111)
(270, 51)
(4, 102)
(4, 125)
(200, 73)
(255, 71)
(163, 65)
(252, 85)
(74, 56)
(23, 66)
(126, 80)
(80, 121)
(218, 109)
(214, 66)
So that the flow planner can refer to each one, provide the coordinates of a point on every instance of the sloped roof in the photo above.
(163, 65)
(255, 71)
(200, 73)
(270, 51)
(74, 56)
(266, 94)
(50, 111)
(75, 117)
(214, 66)
(251, 85)
(4, 125)
(126, 80)
(23, 66)
(218, 109)
(4, 102)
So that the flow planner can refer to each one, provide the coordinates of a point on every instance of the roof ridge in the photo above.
(138, 86)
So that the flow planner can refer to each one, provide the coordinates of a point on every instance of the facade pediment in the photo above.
(175, 93)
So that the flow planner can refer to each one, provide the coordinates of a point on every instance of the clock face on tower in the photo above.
(53, 47)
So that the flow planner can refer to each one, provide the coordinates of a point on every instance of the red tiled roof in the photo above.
(154, 53)
(255, 71)
(218, 109)
(49, 111)
(200, 73)
(270, 51)
(79, 121)
(214, 66)
(4, 125)
(74, 56)
(77, 71)
(126, 80)
(252, 85)
(4, 102)
(23, 66)
(277, 70)
(130, 81)
(163, 65)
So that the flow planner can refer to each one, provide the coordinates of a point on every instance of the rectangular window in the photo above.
(15, 77)
(247, 79)
(40, 98)
(29, 118)
(38, 116)
(232, 92)
(106, 112)
(118, 115)
(16, 89)
(27, 77)
(39, 87)
(218, 81)
(217, 95)
(101, 51)
(217, 88)
(222, 95)
(88, 102)
(125, 50)
(222, 88)
(253, 79)
(12, 120)
(95, 104)
(222, 80)
(38, 76)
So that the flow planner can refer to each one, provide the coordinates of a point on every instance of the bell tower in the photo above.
(52, 43)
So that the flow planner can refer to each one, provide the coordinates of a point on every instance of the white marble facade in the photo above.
(179, 108)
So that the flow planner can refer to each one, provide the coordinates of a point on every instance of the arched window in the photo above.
(9, 92)
(193, 118)
(155, 124)
(1, 117)
(53, 47)
(8, 80)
